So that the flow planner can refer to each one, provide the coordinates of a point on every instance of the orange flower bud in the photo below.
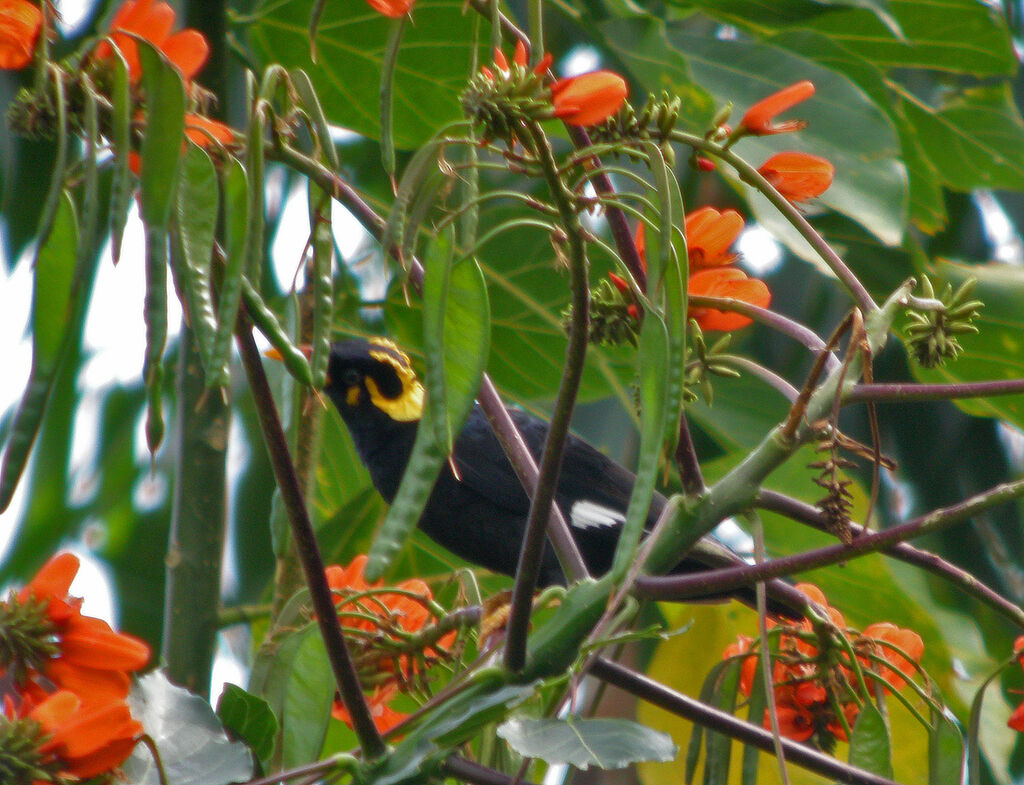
(20, 21)
(758, 119)
(798, 176)
(589, 98)
(391, 8)
(206, 132)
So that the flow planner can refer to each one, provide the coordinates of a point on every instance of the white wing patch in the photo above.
(590, 515)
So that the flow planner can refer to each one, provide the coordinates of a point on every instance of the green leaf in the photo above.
(197, 208)
(933, 34)
(249, 718)
(582, 743)
(52, 285)
(974, 140)
(162, 137)
(294, 676)
(351, 43)
(880, 8)
(870, 748)
(945, 751)
(456, 336)
(997, 350)
(193, 747)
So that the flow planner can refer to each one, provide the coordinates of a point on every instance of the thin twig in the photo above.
(345, 675)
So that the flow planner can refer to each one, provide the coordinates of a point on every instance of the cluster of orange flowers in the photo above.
(1016, 721)
(709, 235)
(814, 688)
(382, 622)
(66, 675)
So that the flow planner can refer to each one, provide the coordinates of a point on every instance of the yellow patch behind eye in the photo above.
(352, 395)
(407, 407)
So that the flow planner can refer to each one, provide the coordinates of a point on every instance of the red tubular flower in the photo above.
(726, 282)
(187, 50)
(795, 722)
(749, 664)
(87, 741)
(20, 22)
(709, 234)
(589, 98)
(798, 176)
(391, 8)
(758, 119)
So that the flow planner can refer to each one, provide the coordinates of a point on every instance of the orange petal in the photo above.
(206, 132)
(56, 710)
(20, 22)
(589, 98)
(758, 119)
(391, 8)
(709, 234)
(92, 685)
(798, 176)
(726, 282)
(92, 643)
(187, 50)
(1016, 721)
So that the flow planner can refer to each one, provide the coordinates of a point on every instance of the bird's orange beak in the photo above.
(274, 354)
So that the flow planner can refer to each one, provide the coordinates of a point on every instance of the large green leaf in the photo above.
(934, 33)
(997, 351)
(974, 140)
(582, 743)
(844, 124)
(433, 62)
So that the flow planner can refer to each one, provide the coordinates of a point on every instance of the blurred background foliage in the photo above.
(917, 105)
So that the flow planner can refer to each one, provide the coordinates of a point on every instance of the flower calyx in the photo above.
(499, 100)
(932, 336)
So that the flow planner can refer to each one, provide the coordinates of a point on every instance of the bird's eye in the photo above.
(351, 377)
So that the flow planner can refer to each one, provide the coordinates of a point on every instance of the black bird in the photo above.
(481, 515)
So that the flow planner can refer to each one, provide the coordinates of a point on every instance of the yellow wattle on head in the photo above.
(408, 405)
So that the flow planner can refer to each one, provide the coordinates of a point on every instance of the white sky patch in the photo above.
(760, 253)
(999, 230)
(580, 60)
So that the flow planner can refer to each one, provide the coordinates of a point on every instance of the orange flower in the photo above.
(392, 8)
(726, 282)
(87, 741)
(384, 618)
(758, 119)
(589, 98)
(906, 641)
(709, 234)
(798, 176)
(384, 717)
(795, 722)
(187, 50)
(20, 21)
(91, 659)
(1018, 650)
